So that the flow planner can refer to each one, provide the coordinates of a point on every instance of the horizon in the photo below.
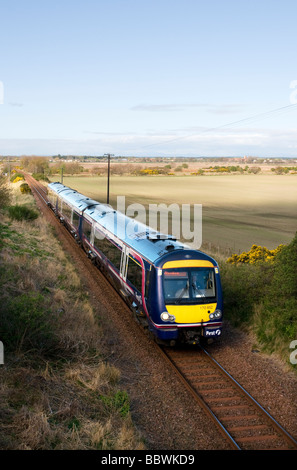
(214, 157)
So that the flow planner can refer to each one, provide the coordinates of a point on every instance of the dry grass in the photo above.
(53, 398)
(62, 410)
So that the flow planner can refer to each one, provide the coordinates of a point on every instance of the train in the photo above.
(173, 290)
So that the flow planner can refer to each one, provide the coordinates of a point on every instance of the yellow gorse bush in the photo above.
(256, 254)
(18, 178)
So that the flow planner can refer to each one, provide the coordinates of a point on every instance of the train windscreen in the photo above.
(189, 285)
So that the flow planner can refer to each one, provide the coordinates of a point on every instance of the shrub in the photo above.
(19, 212)
(40, 177)
(18, 178)
(25, 188)
(276, 321)
(198, 172)
(244, 285)
(24, 323)
(152, 171)
(16, 175)
(263, 295)
(256, 254)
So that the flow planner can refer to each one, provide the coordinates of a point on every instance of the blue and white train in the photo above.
(173, 290)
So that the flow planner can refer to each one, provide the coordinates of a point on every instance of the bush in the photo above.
(278, 313)
(16, 175)
(25, 188)
(24, 323)
(256, 254)
(263, 295)
(19, 212)
(17, 179)
(40, 177)
(244, 286)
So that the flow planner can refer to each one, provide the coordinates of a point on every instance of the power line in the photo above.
(249, 119)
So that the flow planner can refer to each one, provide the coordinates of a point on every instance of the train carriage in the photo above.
(173, 290)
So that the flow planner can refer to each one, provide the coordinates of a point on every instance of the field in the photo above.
(237, 210)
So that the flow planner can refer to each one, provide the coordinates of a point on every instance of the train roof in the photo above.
(150, 243)
(73, 197)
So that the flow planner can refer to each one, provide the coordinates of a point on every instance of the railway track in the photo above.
(239, 417)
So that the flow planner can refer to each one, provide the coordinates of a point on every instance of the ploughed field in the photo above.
(237, 210)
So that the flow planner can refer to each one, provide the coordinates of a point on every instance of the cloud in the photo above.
(225, 108)
(219, 142)
(19, 105)
(156, 108)
(211, 108)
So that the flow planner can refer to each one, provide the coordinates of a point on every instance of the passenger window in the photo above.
(66, 210)
(109, 249)
(87, 229)
(135, 274)
(75, 219)
(147, 282)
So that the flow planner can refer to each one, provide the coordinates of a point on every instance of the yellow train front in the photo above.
(184, 300)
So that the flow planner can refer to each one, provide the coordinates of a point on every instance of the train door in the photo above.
(124, 263)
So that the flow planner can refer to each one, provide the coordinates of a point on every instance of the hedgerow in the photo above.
(260, 292)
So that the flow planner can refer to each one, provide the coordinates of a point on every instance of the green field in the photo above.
(238, 210)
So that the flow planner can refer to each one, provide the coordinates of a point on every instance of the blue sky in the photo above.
(148, 77)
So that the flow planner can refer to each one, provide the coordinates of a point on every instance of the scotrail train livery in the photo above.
(174, 291)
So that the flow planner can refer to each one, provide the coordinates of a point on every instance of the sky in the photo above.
(148, 77)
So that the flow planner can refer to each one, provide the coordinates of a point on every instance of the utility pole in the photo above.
(62, 169)
(108, 174)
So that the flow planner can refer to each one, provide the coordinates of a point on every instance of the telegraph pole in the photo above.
(108, 174)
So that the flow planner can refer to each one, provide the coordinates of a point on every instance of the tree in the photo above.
(35, 164)
(255, 169)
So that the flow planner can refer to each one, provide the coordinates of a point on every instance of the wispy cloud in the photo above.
(156, 108)
(224, 142)
(19, 105)
(173, 107)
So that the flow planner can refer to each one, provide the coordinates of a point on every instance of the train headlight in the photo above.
(165, 316)
(216, 315)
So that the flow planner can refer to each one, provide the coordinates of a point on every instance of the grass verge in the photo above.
(57, 390)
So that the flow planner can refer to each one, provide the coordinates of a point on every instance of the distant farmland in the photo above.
(238, 210)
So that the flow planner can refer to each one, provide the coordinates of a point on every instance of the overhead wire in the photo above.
(250, 119)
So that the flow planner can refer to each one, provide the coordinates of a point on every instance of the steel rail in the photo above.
(201, 402)
(244, 394)
(262, 410)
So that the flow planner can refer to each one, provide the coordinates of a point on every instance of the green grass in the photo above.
(22, 212)
(238, 210)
